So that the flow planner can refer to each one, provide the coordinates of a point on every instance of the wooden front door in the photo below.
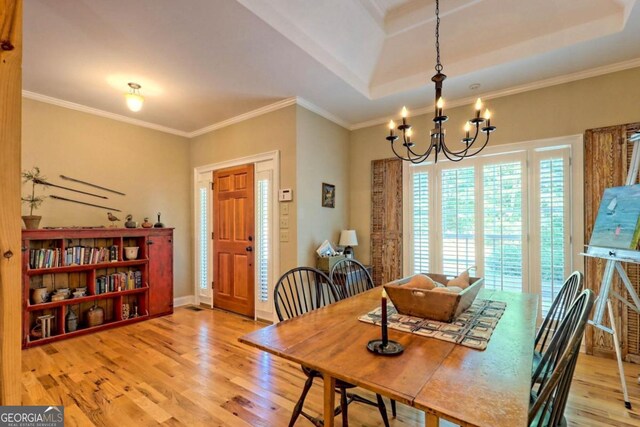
(233, 238)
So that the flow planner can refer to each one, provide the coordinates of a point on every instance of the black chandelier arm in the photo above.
(486, 142)
(468, 147)
(423, 155)
(417, 159)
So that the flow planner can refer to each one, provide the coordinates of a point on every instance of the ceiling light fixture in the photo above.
(437, 143)
(133, 97)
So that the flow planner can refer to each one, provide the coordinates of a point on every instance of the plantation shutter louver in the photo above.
(420, 222)
(458, 220)
(263, 241)
(503, 226)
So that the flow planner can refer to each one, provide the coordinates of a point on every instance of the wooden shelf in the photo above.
(154, 268)
(86, 267)
(107, 325)
(88, 298)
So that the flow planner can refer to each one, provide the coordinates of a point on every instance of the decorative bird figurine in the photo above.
(113, 219)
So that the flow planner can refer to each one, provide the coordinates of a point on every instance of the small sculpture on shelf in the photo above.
(147, 223)
(39, 295)
(158, 224)
(71, 320)
(126, 311)
(130, 222)
(113, 219)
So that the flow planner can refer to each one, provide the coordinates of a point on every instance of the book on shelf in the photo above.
(84, 255)
(121, 281)
(45, 258)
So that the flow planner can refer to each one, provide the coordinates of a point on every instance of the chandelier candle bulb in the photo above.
(487, 117)
(391, 126)
(478, 107)
(439, 106)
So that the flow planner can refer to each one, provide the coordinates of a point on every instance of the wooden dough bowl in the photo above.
(429, 304)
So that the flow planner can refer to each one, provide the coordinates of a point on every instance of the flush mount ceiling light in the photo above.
(473, 128)
(133, 97)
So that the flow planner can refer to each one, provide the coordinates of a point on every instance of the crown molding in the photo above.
(245, 116)
(322, 112)
(540, 84)
(96, 112)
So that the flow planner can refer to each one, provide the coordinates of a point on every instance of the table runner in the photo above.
(473, 328)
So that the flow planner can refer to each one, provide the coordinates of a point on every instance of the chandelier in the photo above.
(473, 128)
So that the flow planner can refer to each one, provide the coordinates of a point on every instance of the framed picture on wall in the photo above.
(328, 195)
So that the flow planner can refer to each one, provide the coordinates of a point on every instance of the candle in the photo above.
(478, 107)
(404, 113)
(467, 128)
(391, 126)
(385, 338)
(487, 117)
(439, 106)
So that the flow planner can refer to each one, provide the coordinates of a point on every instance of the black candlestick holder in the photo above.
(393, 348)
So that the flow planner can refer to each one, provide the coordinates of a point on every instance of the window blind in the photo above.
(503, 226)
(458, 220)
(552, 229)
(263, 241)
(420, 222)
(204, 239)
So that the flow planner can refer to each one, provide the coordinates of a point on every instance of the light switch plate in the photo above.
(284, 221)
(284, 235)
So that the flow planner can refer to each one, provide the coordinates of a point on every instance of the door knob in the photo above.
(249, 249)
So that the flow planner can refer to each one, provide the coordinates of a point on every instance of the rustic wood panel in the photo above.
(386, 220)
(607, 157)
(10, 255)
(630, 317)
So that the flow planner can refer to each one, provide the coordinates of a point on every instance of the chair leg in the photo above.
(298, 408)
(383, 410)
(393, 408)
(344, 404)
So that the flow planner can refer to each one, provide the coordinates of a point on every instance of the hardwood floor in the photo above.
(188, 369)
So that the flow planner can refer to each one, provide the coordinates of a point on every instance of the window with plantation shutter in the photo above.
(458, 219)
(503, 226)
(554, 222)
(508, 214)
(420, 222)
(203, 262)
(263, 240)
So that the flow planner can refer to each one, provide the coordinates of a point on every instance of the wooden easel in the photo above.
(615, 258)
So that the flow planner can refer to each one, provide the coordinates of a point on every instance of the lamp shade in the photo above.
(348, 238)
(134, 101)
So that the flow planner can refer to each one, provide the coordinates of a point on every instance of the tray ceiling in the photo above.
(202, 62)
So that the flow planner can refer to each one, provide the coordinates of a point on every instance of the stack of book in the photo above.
(81, 255)
(44, 258)
(121, 281)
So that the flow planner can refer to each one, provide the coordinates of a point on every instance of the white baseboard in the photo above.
(182, 301)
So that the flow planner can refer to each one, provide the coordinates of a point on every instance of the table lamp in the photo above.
(348, 239)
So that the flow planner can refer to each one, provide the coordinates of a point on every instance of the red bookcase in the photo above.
(71, 258)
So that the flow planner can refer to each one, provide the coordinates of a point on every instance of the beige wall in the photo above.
(269, 132)
(151, 167)
(322, 156)
(561, 110)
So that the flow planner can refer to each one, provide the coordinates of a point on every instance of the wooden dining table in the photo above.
(445, 380)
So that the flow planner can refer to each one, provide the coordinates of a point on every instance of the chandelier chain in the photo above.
(438, 64)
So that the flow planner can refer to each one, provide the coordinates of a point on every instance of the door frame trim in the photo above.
(273, 156)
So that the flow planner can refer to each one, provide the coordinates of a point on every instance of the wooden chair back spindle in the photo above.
(301, 290)
(350, 278)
